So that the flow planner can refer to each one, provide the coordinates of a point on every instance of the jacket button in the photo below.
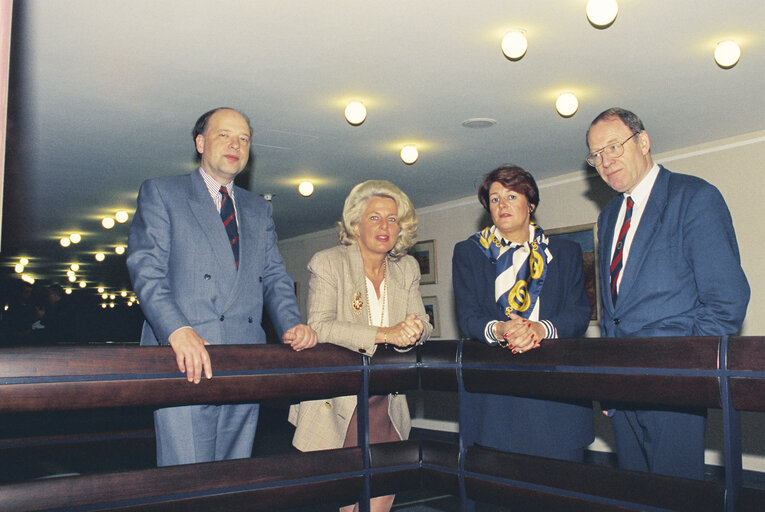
(362, 350)
(260, 278)
(616, 321)
(221, 318)
(208, 277)
(249, 320)
(328, 405)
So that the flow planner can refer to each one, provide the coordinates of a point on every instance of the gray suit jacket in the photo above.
(183, 271)
(337, 277)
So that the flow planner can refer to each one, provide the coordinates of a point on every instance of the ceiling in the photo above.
(104, 93)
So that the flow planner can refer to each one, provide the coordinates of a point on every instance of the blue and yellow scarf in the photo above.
(520, 269)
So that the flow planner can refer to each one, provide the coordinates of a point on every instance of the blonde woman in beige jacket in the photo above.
(363, 293)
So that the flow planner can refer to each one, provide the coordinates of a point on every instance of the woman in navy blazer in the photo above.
(540, 285)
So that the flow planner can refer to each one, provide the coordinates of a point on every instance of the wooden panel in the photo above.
(18, 362)
(632, 486)
(751, 500)
(393, 381)
(440, 481)
(746, 353)
(436, 453)
(341, 491)
(439, 352)
(531, 500)
(389, 355)
(649, 389)
(438, 379)
(391, 482)
(681, 353)
(748, 394)
(164, 392)
(224, 476)
(401, 453)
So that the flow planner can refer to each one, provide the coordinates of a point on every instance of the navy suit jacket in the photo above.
(183, 270)
(524, 425)
(683, 276)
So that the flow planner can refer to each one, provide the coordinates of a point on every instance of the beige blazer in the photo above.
(337, 280)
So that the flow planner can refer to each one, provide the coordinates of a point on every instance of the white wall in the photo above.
(735, 166)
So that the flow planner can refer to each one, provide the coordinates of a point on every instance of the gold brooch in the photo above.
(357, 303)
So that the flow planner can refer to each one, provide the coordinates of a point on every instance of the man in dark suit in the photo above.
(669, 266)
(204, 264)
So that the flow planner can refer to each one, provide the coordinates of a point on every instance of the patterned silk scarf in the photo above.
(521, 269)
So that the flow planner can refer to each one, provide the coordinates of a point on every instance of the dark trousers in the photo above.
(665, 442)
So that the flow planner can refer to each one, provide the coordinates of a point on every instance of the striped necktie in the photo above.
(228, 216)
(616, 262)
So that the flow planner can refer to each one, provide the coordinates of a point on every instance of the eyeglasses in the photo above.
(611, 151)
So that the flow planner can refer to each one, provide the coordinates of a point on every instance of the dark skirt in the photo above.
(381, 429)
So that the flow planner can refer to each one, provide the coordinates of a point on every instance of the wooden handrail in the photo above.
(707, 372)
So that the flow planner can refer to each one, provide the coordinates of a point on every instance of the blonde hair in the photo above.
(356, 202)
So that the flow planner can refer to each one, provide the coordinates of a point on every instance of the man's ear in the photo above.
(200, 142)
(645, 142)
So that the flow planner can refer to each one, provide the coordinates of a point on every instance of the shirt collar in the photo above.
(643, 189)
(213, 186)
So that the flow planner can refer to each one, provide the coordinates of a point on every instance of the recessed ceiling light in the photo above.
(100, 256)
(305, 188)
(107, 222)
(121, 216)
(727, 54)
(75, 238)
(514, 44)
(355, 113)
(602, 13)
(479, 122)
(409, 154)
(566, 104)
(65, 242)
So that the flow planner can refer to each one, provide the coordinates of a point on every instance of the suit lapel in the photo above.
(650, 223)
(610, 215)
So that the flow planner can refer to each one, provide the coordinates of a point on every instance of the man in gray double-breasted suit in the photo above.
(199, 284)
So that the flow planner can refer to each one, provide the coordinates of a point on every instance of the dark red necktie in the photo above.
(616, 262)
(228, 216)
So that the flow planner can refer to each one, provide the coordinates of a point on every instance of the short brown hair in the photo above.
(513, 178)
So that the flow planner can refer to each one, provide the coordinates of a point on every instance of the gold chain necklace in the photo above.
(384, 295)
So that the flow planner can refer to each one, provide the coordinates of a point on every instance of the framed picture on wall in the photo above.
(587, 237)
(425, 254)
(431, 308)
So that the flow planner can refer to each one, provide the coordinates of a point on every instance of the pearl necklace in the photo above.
(384, 295)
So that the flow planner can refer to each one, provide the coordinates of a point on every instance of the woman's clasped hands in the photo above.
(405, 333)
(519, 334)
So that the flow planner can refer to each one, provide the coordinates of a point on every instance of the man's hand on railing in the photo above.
(191, 354)
(300, 337)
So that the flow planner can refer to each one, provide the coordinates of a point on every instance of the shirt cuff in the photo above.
(551, 332)
(488, 333)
